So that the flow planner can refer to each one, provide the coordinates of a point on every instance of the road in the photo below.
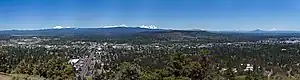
(86, 66)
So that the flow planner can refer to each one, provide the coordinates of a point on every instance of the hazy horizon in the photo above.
(217, 15)
(155, 27)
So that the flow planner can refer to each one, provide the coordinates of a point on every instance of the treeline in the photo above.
(164, 62)
(38, 61)
(222, 62)
(184, 67)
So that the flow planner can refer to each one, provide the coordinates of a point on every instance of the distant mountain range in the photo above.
(273, 31)
(259, 31)
(115, 31)
(146, 33)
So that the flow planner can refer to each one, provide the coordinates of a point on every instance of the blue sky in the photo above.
(174, 14)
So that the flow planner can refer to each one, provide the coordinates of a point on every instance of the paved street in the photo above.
(87, 65)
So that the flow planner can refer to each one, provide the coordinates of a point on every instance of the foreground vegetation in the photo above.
(167, 61)
(183, 67)
(38, 62)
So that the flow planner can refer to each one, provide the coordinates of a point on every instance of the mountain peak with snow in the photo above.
(61, 27)
(142, 26)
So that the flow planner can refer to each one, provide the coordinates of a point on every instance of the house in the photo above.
(249, 67)
(73, 61)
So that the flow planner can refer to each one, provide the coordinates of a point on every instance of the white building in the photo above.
(249, 67)
(73, 61)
